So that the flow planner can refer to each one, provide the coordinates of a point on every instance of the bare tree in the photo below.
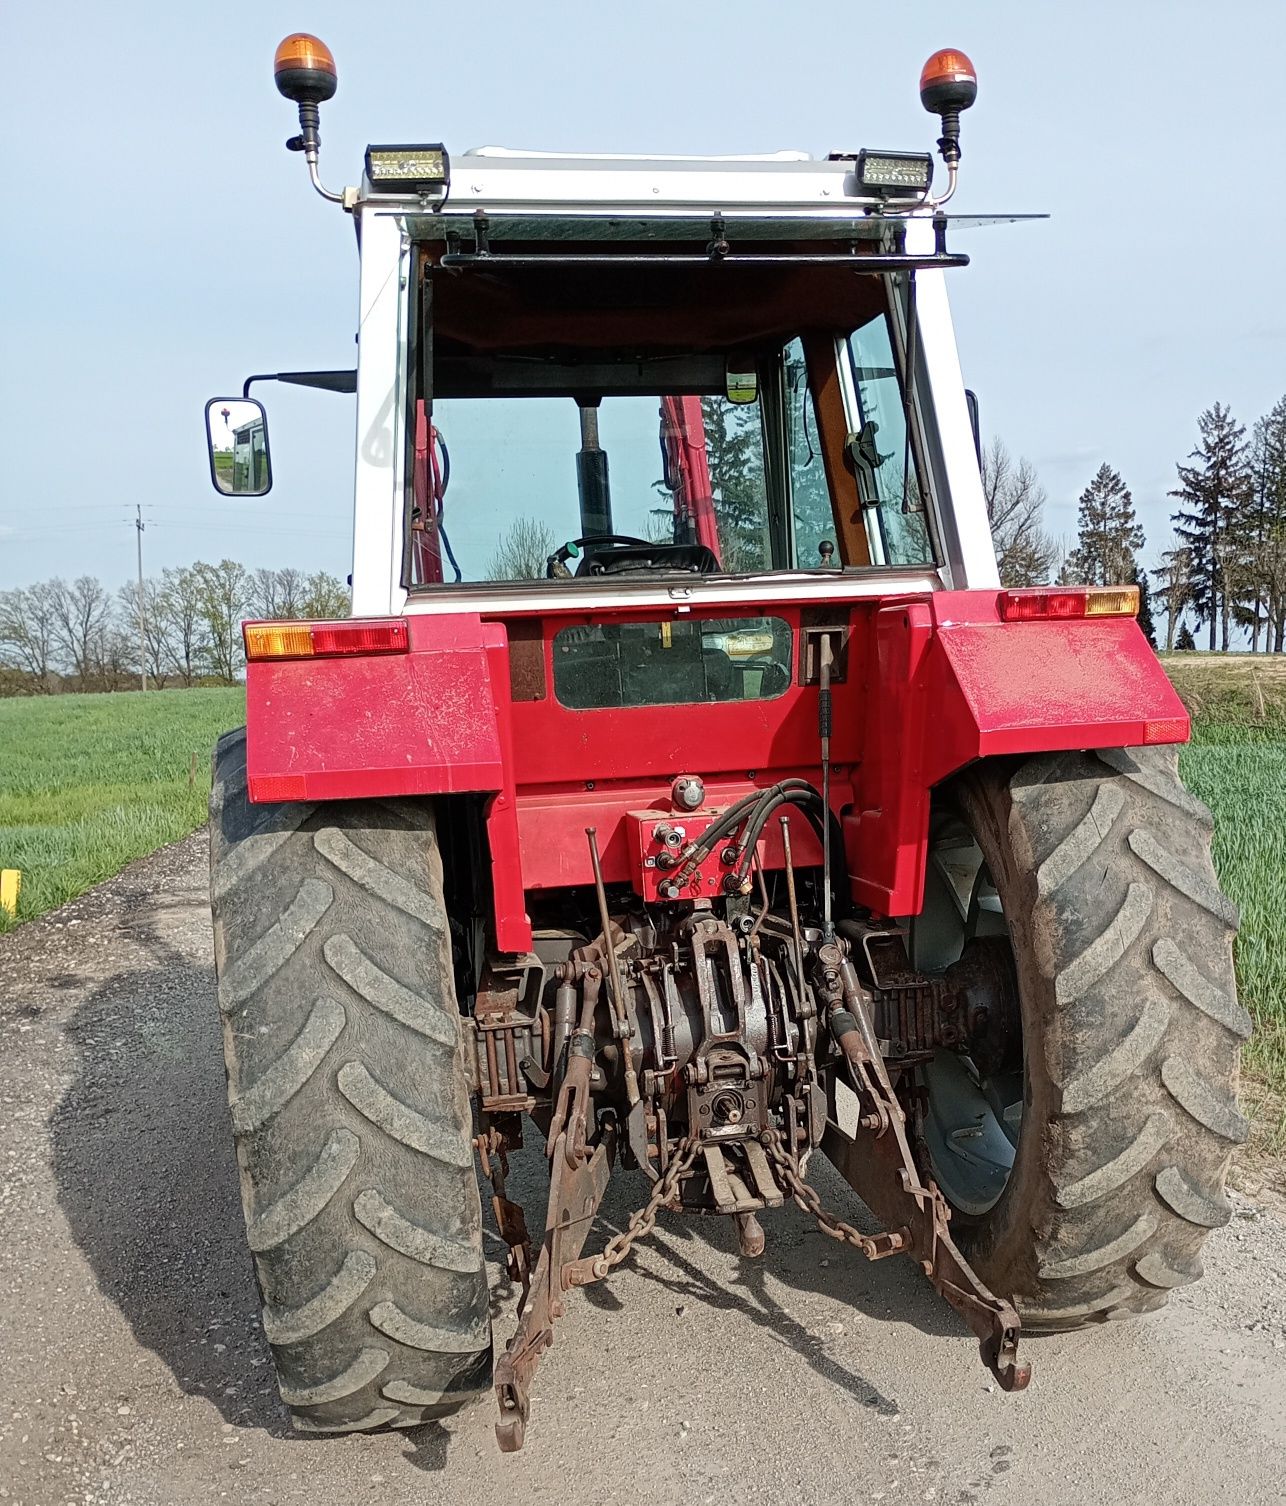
(291, 590)
(222, 592)
(116, 656)
(27, 633)
(1025, 553)
(1174, 588)
(80, 633)
(263, 595)
(178, 605)
(81, 615)
(158, 638)
(523, 553)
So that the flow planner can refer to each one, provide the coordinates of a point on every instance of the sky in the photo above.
(160, 244)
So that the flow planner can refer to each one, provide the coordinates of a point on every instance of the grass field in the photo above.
(1236, 763)
(90, 782)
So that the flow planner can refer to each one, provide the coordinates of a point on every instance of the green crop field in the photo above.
(88, 783)
(1236, 763)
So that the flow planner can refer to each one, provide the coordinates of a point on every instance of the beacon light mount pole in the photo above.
(948, 85)
(304, 70)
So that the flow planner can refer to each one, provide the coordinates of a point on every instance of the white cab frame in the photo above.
(754, 189)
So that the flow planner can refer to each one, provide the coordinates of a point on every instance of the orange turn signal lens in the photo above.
(304, 68)
(1112, 601)
(1052, 603)
(326, 640)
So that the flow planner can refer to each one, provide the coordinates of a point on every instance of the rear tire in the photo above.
(349, 1104)
(1131, 1028)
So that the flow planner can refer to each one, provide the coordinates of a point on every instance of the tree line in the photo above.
(60, 635)
(1226, 567)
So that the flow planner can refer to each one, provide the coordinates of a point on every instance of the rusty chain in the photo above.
(874, 1247)
(596, 1267)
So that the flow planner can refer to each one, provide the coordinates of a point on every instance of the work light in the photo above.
(408, 169)
(889, 172)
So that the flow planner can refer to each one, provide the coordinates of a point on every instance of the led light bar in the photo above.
(1052, 603)
(408, 169)
(325, 640)
(887, 172)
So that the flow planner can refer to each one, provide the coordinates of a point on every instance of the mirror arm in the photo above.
(344, 380)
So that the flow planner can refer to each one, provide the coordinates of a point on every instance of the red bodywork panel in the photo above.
(420, 723)
(930, 683)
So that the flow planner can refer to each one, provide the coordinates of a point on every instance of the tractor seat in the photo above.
(624, 559)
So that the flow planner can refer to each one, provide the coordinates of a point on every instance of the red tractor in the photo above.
(686, 782)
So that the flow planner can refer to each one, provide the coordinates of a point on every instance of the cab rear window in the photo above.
(672, 663)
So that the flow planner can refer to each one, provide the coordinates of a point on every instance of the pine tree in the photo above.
(1211, 494)
(1185, 642)
(1146, 624)
(810, 491)
(1107, 534)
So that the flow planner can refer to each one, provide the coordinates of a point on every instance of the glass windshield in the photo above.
(883, 459)
(533, 487)
(809, 493)
(555, 464)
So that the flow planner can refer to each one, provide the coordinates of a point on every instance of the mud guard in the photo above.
(953, 683)
(434, 721)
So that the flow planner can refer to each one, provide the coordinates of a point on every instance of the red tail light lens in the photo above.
(1175, 729)
(1049, 603)
(326, 640)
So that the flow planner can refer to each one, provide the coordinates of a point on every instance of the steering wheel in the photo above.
(573, 547)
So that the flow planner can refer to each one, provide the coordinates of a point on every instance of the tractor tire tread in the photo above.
(349, 1104)
(1124, 945)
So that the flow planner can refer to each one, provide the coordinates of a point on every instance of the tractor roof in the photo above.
(501, 180)
(537, 196)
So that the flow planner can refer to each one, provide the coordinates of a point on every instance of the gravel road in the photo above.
(134, 1368)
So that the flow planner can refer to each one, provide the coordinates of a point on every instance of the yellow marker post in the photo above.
(10, 883)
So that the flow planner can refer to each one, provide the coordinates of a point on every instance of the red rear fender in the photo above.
(931, 683)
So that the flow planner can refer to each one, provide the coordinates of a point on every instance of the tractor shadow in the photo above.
(146, 1176)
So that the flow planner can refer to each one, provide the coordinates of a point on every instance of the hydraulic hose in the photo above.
(701, 848)
(811, 806)
(704, 845)
(802, 800)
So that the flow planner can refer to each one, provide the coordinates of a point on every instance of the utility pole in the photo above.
(142, 610)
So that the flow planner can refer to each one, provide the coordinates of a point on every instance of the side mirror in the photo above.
(236, 433)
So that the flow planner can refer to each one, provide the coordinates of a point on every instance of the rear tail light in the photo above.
(1045, 603)
(326, 640)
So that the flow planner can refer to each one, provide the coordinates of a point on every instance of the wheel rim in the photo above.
(974, 1112)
